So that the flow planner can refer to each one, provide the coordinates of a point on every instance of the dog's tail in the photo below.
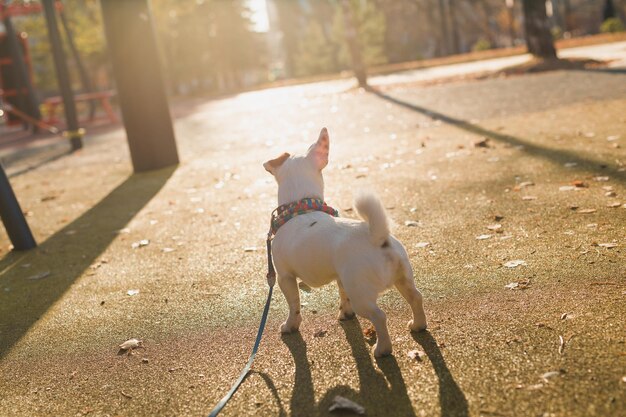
(370, 209)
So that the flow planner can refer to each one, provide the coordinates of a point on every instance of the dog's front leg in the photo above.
(289, 287)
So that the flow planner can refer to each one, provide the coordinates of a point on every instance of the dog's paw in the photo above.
(380, 350)
(417, 326)
(346, 315)
(288, 328)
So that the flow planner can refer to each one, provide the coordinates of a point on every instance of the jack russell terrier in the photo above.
(313, 244)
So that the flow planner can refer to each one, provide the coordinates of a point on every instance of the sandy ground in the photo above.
(490, 350)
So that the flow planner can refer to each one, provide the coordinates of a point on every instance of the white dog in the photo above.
(363, 257)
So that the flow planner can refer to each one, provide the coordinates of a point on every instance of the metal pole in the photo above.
(74, 133)
(12, 216)
(137, 69)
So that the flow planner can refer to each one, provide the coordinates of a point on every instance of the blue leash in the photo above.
(271, 280)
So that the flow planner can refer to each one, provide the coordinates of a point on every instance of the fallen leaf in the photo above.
(608, 245)
(130, 344)
(601, 178)
(515, 263)
(550, 374)
(525, 184)
(320, 333)
(586, 211)
(612, 138)
(132, 292)
(495, 227)
(40, 275)
(498, 217)
(579, 184)
(614, 205)
(567, 188)
(343, 404)
(411, 223)
(416, 354)
(140, 244)
(167, 250)
(250, 249)
(370, 333)
(564, 316)
(422, 244)
(483, 237)
(483, 143)
(529, 197)
(126, 395)
(304, 287)
(522, 285)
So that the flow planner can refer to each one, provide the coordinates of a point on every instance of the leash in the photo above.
(271, 280)
(280, 216)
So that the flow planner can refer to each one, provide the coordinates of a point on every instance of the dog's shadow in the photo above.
(381, 394)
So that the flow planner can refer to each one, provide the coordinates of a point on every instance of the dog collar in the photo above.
(282, 214)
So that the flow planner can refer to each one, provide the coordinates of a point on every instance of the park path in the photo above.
(477, 177)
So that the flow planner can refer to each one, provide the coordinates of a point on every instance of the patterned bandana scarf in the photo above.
(288, 211)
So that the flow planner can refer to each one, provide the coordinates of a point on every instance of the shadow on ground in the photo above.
(451, 399)
(380, 393)
(66, 255)
(559, 156)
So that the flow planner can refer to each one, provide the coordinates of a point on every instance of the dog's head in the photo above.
(300, 177)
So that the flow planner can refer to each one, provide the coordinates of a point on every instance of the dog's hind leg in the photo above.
(289, 287)
(373, 313)
(345, 308)
(406, 286)
(363, 300)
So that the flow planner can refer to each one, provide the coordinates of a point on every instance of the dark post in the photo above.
(137, 70)
(12, 216)
(74, 133)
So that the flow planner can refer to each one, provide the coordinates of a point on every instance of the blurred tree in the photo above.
(538, 35)
(454, 25)
(85, 22)
(350, 29)
(369, 29)
(443, 26)
(316, 54)
(289, 20)
(208, 45)
(608, 12)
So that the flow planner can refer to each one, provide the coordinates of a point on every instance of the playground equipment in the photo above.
(137, 71)
(18, 96)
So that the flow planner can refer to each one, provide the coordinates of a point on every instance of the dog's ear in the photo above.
(272, 165)
(318, 152)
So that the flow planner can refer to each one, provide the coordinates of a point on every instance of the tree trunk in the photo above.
(538, 36)
(609, 10)
(444, 28)
(567, 11)
(456, 41)
(353, 44)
